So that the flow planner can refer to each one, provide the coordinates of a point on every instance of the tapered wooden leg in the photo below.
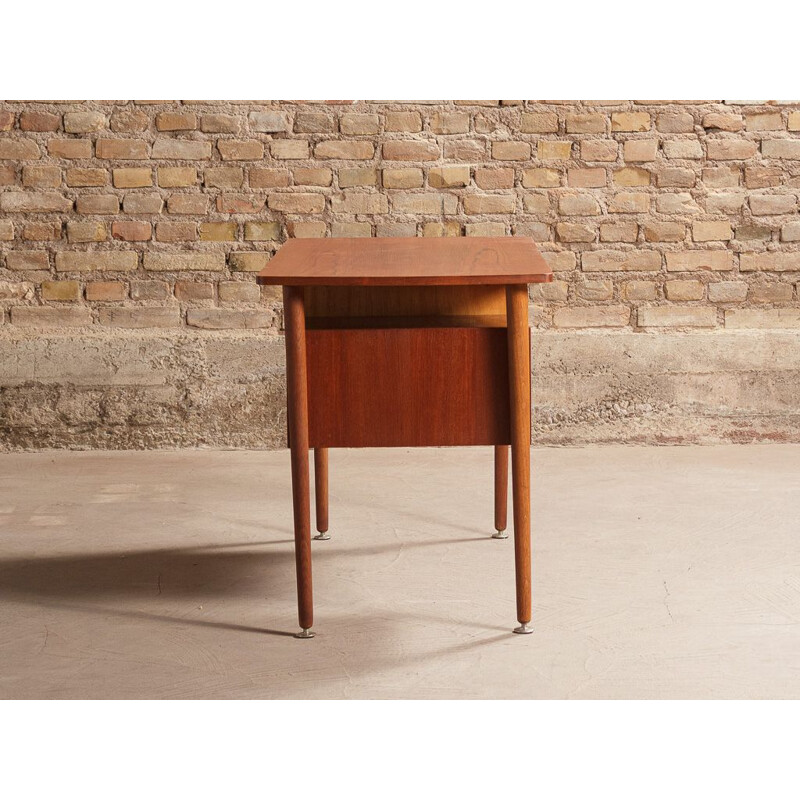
(500, 491)
(321, 491)
(297, 415)
(519, 375)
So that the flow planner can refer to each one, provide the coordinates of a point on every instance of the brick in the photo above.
(664, 231)
(306, 230)
(494, 178)
(793, 122)
(764, 121)
(790, 232)
(132, 177)
(180, 262)
(591, 178)
(218, 231)
(176, 232)
(6, 230)
(629, 203)
(238, 292)
(619, 232)
(682, 148)
(27, 259)
(139, 317)
(443, 123)
(541, 177)
(633, 121)
(712, 231)
(389, 229)
(220, 319)
(676, 203)
(402, 178)
(190, 291)
(181, 149)
(409, 151)
(770, 293)
(360, 203)
(676, 317)
(61, 291)
(403, 122)
(733, 123)
(586, 123)
(597, 317)
(131, 231)
(40, 121)
(684, 290)
(551, 151)
(360, 124)
(769, 262)
(638, 290)
(129, 121)
(555, 292)
(105, 291)
(35, 177)
(16, 290)
(727, 291)
(261, 231)
(578, 204)
(97, 261)
(762, 177)
(424, 203)
(721, 177)
(86, 176)
(312, 176)
(464, 150)
(19, 150)
(249, 262)
(725, 202)
(70, 148)
(599, 150)
(297, 202)
(123, 149)
(44, 317)
(287, 149)
(229, 203)
(351, 230)
(595, 290)
(186, 204)
(355, 150)
(631, 176)
(6, 120)
(219, 123)
(575, 232)
(621, 261)
(675, 123)
(746, 232)
(733, 149)
(314, 122)
(546, 122)
(268, 121)
(764, 204)
(766, 318)
(485, 229)
(490, 203)
(362, 176)
(439, 229)
(8, 176)
(268, 178)
(448, 177)
(172, 121)
(240, 150)
(176, 177)
(690, 260)
(34, 202)
(88, 231)
(678, 177)
(149, 290)
(41, 231)
(560, 261)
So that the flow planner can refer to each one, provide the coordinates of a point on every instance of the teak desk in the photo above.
(408, 343)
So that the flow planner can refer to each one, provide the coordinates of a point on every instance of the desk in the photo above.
(408, 342)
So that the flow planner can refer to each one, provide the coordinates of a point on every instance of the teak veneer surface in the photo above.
(416, 261)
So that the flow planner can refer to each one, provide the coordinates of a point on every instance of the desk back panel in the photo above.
(407, 387)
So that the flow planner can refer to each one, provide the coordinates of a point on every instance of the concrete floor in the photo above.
(658, 573)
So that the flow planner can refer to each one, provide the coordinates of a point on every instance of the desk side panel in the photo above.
(408, 387)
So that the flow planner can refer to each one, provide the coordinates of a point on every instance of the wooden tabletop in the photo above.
(407, 262)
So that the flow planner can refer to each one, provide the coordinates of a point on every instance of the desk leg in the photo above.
(321, 491)
(519, 375)
(500, 491)
(297, 415)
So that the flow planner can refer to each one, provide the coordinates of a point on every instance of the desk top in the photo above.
(418, 261)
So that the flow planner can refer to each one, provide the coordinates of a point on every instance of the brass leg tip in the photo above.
(323, 536)
(306, 633)
(500, 535)
(526, 627)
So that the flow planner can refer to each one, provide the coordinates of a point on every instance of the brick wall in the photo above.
(654, 215)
